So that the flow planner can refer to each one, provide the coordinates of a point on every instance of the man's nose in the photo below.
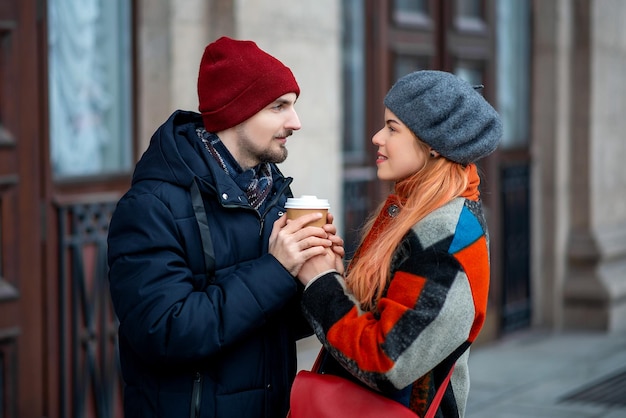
(293, 122)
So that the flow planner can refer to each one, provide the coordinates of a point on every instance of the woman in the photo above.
(414, 297)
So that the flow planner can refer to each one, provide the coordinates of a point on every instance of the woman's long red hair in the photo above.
(437, 183)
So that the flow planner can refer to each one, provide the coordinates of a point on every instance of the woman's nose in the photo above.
(377, 139)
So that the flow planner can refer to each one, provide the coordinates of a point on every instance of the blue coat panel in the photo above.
(198, 340)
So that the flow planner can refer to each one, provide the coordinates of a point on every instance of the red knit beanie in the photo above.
(236, 80)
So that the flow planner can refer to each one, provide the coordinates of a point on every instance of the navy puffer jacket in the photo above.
(195, 343)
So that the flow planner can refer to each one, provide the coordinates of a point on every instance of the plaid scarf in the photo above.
(255, 182)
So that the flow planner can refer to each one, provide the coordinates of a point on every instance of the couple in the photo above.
(212, 285)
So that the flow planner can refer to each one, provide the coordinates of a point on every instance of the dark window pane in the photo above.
(405, 64)
(514, 72)
(353, 79)
(411, 6)
(411, 12)
(470, 9)
(469, 71)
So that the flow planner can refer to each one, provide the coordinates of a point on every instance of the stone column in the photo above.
(550, 152)
(153, 72)
(595, 286)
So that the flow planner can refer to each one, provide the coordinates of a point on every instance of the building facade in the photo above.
(84, 83)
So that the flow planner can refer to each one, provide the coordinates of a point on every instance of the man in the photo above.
(202, 262)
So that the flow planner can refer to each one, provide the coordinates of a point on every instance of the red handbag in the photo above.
(315, 395)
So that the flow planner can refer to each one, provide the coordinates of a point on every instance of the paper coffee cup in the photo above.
(305, 204)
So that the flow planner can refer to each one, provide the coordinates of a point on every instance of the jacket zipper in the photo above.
(196, 396)
(286, 183)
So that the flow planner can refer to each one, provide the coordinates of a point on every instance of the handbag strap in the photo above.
(318, 361)
(434, 405)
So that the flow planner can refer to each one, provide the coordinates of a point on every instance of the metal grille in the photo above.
(357, 207)
(89, 362)
(610, 390)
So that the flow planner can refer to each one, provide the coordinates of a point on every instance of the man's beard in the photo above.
(273, 156)
(267, 155)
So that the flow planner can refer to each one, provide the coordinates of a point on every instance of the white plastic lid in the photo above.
(306, 202)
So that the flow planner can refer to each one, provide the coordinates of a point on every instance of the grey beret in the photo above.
(447, 113)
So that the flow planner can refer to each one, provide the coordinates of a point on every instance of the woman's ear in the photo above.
(433, 153)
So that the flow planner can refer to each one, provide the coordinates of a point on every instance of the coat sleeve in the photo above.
(430, 311)
(163, 311)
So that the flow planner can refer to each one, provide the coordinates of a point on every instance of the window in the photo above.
(411, 12)
(470, 9)
(470, 72)
(404, 64)
(411, 6)
(89, 53)
(513, 72)
(470, 15)
(353, 79)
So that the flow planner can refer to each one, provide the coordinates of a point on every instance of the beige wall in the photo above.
(154, 99)
(306, 38)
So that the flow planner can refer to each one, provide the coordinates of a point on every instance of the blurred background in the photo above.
(84, 84)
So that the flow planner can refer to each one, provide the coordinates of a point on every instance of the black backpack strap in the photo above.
(203, 224)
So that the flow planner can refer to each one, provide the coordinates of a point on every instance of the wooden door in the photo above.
(57, 330)
(21, 285)
(82, 364)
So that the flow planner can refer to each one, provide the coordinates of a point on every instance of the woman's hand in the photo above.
(292, 244)
(317, 265)
(330, 260)
(337, 244)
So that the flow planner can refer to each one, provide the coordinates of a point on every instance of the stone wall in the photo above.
(306, 38)
(579, 217)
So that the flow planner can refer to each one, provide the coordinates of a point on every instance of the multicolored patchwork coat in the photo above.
(431, 312)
